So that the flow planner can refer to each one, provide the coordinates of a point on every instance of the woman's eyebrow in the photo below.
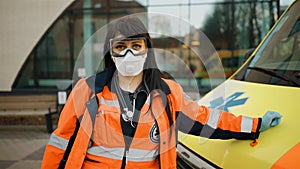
(119, 42)
(136, 41)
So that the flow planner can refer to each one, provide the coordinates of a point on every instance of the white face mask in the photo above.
(130, 65)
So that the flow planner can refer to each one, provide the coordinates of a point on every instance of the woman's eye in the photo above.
(120, 47)
(136, 46)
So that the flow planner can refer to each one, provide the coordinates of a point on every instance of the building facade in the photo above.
(42, 40)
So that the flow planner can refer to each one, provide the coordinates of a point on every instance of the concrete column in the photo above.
(87, 32)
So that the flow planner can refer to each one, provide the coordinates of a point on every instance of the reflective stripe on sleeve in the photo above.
(58, 142)
(246, 124)
(213, 119)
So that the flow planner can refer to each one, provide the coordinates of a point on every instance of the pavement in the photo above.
(22, 146)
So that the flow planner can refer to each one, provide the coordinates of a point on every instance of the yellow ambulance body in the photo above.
(268, 80)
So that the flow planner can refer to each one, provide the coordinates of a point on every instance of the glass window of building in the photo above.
(232, 26)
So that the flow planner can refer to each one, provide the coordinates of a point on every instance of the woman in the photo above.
(129, 115)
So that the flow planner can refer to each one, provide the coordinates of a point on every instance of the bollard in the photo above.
(49, 124)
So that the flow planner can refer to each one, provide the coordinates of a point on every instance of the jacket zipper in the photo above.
(125, 160)
(126, 155)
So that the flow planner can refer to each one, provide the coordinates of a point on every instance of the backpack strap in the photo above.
(63, 161)
(92, 106)
(96, 83)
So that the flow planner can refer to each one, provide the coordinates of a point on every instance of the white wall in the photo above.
(23, 22)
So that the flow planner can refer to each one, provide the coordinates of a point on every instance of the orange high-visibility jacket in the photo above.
(102, 145)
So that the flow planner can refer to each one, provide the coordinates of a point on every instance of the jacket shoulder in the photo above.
(97, 82)
(172, 85)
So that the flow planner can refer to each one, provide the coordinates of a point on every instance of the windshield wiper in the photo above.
(276, 74)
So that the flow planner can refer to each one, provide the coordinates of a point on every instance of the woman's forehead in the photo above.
(119, 35)
(140, 40)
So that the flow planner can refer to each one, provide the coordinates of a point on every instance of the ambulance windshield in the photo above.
(278, 59)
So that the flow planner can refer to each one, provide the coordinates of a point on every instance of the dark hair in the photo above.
(132, 26)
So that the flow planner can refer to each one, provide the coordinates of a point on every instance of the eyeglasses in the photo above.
(120, 46)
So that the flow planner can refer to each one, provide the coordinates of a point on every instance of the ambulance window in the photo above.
(278, 59)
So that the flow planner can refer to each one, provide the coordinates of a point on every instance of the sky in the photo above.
(285, 2)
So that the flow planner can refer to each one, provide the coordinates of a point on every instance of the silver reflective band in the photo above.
(58, 142)
(114, 103)
(137, 155)
(246, 124)
(114, 153)
(213, 119)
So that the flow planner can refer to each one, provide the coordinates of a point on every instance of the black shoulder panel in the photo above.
(98, 81)
(166, 86)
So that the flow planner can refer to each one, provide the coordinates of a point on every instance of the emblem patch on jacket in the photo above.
(154, 134)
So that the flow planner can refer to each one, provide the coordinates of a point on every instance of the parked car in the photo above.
(268, 80)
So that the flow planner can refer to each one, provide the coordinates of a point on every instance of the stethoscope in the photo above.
(127, 114)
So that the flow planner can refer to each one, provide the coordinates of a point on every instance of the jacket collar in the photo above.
(98, 81)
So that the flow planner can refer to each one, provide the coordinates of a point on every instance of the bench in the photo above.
(28, 109)
(31, 102)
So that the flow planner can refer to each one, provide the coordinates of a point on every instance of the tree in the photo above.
(239, 24)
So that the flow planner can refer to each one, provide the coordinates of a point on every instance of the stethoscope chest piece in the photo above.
(127, 115)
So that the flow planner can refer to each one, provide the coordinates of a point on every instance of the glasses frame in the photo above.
(114, 54)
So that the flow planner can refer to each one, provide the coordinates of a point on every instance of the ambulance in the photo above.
(268, 80)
